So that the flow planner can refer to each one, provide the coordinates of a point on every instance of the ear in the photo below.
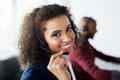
(84, 33)
(85, 28)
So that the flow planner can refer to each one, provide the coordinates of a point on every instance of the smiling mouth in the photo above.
(67, 46)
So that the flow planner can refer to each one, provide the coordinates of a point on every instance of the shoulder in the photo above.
(30, 72)
(37, 73)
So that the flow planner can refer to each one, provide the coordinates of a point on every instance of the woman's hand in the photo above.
(57, 66)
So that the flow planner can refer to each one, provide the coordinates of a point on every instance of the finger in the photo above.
(54, 56)
(57, 63)
(58, 54)
(62, 63)
(58, 60)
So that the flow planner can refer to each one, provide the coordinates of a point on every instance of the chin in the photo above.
(92, 36)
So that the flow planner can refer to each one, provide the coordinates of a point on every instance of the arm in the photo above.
(89, 67)
(86, 62)
(106, 57)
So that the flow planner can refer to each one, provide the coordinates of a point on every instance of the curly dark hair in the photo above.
(33, 27)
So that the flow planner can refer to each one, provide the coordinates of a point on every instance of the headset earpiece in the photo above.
(85, 28)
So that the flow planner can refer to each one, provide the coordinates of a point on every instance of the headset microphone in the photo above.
(65, 53)
(46, 49)
(43, 44)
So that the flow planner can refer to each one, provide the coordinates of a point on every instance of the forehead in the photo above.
(57, 23)
(92, 24)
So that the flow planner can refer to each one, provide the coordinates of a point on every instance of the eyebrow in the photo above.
(68, 25)
(60, 30)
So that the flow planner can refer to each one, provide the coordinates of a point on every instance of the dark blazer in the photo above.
(38, 73)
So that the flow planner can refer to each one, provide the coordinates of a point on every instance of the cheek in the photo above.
(53, 44)
(94, 31)
(72, 35)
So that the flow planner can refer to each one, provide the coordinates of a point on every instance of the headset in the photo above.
(85, 27)
(42, 43)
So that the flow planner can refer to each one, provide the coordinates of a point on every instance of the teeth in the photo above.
(66, 46)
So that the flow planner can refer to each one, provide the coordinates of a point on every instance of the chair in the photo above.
(10, 69)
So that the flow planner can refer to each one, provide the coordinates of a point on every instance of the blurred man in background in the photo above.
(83, 58)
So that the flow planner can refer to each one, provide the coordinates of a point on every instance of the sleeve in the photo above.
(36, 74)
(115, 75)
(89, 67)
(106, 57)
(31, 75)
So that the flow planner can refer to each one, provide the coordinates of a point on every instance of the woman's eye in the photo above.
(56, 34)
(69, 29)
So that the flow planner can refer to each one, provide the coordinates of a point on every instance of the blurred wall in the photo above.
(106, 13)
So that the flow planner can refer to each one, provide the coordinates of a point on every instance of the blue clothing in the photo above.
(38, 73)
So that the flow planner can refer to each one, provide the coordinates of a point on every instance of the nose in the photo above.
(66, 38)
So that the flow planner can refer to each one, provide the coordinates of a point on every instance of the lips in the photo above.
(66, 46)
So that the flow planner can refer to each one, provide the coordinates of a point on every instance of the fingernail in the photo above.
(61, 52)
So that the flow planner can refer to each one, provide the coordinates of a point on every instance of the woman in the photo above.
(47, 33)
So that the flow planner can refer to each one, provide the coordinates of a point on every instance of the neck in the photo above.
(85, 40)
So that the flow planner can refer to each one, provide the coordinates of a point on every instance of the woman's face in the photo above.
(59, 34)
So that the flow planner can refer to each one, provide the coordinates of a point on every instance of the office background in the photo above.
(106, 13)
(106, 40)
